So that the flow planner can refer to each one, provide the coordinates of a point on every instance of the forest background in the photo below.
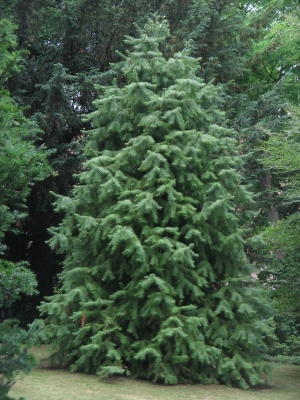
(52, 55)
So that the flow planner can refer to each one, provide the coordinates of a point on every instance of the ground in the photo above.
(56, 384)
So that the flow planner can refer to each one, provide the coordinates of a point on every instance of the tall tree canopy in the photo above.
(21, 163)
(276, 62)
(155, 282)
(69, 47)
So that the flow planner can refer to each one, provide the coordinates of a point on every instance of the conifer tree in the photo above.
(81, 36)
(155, 281)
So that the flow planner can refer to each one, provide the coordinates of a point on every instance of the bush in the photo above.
(14, 357)
(285, 344)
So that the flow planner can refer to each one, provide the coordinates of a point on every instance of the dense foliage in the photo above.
(57, 63)
(21, 164)
(155, 281)
(69, 47)
(15, 360)
(281, 159)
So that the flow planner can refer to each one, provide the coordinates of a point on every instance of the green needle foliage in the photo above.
(156, 283)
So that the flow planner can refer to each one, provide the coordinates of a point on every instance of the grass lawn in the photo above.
(53, 384)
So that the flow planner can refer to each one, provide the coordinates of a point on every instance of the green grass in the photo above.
(54, 384)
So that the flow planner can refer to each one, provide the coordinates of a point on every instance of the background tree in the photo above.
(276, 53)
(163, 290)
(69, 47)
(21, 163)
(275, 67)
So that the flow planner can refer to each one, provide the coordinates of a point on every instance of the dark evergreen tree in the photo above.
(155, 281)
